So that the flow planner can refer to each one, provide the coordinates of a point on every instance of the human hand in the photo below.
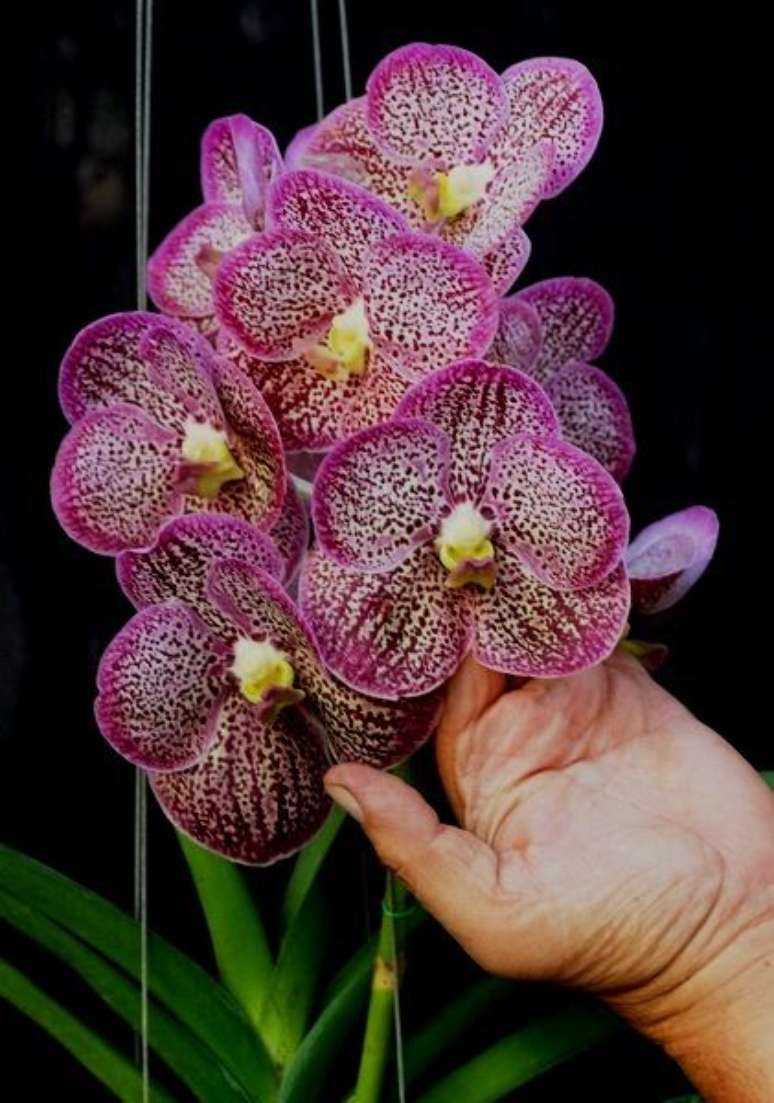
(609, 841)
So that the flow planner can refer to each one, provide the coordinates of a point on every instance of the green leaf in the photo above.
(516, 1060)
(174, 980)
(307, 866)
(109, 1066)
(194, 1064)
(768, 777)
(238, 936)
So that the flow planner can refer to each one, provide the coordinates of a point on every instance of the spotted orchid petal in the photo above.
(505, 261)
(669, 556)
(178, 564)
(161, 683)
(428, 303)
(594, 415)
(115, 479)
(104, 366)
(553, 98)
(181, 270)
(477, 404)
(294, 151)
(519, 335)
(290, 533)
(279, 290)
(175, 368)
(557, 510)
(257, 796)
(239, 160)
(434, 103)
(343, 145)
(400, 633)
(342, 215)
(576, 318)
(381, 493)
(526, 628)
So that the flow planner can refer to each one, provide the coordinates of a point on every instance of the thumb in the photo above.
(450, 871)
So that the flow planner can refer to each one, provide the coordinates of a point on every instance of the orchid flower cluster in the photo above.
(347, 310)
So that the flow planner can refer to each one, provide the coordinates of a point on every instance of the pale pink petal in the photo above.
(161, 683)
(669, 556)
(519, 335)
(478, 404)
(524, 627)
(258, 795)
(428, 303)
(278, 289)
(239, 160)
(576, 317)
(557, 509)
(594, 415)
(181, 270)
(401, 633)
(381, 493)
(434, 102)
(555, 98)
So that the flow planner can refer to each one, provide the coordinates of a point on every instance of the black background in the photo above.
(663, 217)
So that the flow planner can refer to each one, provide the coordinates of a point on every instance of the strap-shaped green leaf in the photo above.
(109, 1066)
(195, 1064)
(307, 866)
(174, 980)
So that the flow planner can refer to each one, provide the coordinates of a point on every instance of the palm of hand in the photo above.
(624, 834)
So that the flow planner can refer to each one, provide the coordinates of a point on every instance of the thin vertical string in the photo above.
(316, 47)
(142, 111)
(345, 49)
(396, 1016)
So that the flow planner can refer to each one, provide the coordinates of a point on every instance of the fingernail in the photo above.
(347, 801)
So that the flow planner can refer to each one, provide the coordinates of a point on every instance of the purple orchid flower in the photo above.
(216, 688)
(459, 150)
(550, 331)
(669, 556)
(464, 523)
(161, 426)
(239, 160)
(338, 307)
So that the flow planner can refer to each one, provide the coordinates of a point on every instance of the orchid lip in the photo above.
(446, 195)
(465, 549)
(207, 460)
(347, 347)
(264, 675)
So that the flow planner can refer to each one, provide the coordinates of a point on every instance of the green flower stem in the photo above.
(307, 866)
(238, 937)
(385, 979)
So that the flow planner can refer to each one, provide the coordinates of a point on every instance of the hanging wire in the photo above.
(396, 1016)
(318, 81)
(142, 112)
(345, 49)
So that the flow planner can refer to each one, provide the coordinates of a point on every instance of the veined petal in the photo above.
(400, 633)
(594, 415)
(104, 366)
(339, 213)
(519, 335)
(667, 557)
(557, 509)
(343, 145)
(278, 289)
(434, 102)
(380, 493)
(258, 795)
(290, 533)
(478, 404)
(181, 270)
(113, 482)
(576, 316)
(428, 303)
(556, 98)
(239, 160)
(175, 367)
(526, 628)
(259, 608)
(178, 564)
(161, 683)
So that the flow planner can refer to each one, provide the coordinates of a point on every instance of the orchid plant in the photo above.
(347, 309)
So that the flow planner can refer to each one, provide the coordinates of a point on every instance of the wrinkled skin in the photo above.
(609, 841)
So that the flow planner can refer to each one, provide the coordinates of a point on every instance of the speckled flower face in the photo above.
(464, 523)
(239, 160)
(460, 151)
(216, 688)
(551, 331)
(338, 307)
(669, 556)
(161, 426)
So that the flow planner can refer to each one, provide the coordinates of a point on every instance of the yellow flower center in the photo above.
(206, 449)
(448, 194)
(346, 347)
(263, 672)
(465, 549)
